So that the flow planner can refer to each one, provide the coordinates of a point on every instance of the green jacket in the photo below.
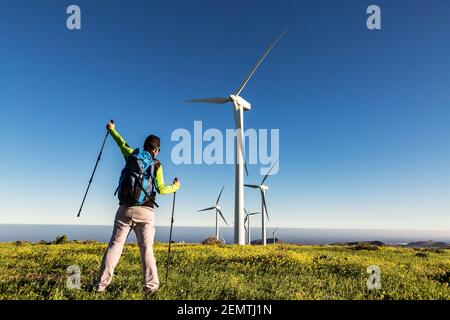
(126, 150)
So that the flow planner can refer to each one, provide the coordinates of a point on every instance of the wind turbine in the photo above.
(247, 219)
(239, 106)
(218, 212)
(263, 188)
(273, 234)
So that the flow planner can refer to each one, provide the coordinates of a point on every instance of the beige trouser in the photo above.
(142, 221)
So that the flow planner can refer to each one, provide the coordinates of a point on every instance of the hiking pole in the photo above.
(93, 172)
(170, 236)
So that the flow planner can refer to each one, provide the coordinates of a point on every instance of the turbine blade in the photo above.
(265, 205)
(254, 186)
(210, 100)
(246, 231)
(268, 173)
(220, 195)
(220, 212)
(253, 69)
(253, 213)
(246, 212)
(206, 209)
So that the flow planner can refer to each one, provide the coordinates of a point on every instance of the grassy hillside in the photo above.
(38, 271)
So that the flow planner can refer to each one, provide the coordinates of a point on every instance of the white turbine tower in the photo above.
(248, 228)
(218, 212)
(239, 106)
(263, 188)
(273, 234)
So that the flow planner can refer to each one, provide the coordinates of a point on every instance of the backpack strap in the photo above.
(156, 165)
(149, 197)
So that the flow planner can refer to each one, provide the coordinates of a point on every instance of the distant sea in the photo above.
(10, 232)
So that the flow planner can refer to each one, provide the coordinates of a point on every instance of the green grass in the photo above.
(38, 271)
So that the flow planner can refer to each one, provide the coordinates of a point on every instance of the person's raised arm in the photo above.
(124, 147)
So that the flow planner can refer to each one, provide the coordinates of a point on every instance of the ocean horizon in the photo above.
(102, 233)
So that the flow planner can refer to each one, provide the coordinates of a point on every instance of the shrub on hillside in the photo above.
(443, 278)
(365, 246)
(422, 254)
(21, 242)
(61, 239)
(212, 241)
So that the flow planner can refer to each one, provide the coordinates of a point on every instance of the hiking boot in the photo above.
(99, 289)
(150, 292)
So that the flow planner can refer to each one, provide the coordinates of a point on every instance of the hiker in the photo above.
(136, 214)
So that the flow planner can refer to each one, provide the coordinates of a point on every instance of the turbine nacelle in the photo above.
(248, 215)
(240, 102)
(263, 187)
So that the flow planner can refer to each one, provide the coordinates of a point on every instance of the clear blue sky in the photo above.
(364, 116)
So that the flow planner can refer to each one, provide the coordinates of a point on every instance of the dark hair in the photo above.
(151, 143)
